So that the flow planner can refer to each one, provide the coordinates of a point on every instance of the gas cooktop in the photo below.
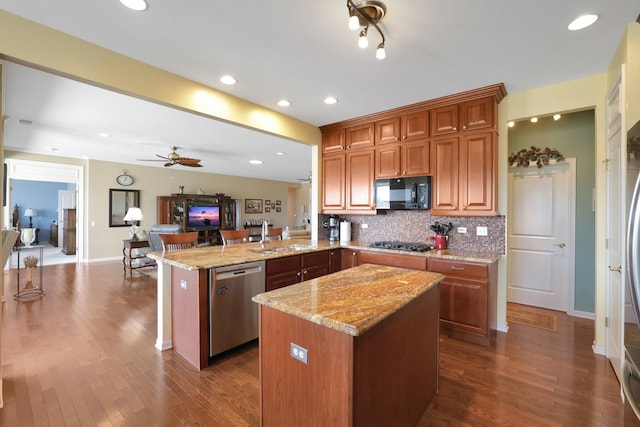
(401, 246)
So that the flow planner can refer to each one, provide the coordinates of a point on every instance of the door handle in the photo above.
(617, 269)
(561, 245)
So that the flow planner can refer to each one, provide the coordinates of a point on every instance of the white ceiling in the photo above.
(298, 50)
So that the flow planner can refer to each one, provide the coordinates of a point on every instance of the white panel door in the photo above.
(540, 236)
(616, 178)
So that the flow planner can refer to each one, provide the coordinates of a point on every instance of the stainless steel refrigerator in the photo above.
(631, 365)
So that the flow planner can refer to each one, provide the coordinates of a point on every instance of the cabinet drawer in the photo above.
(315, 259)
(279, 265)
(393, 260)
(464, 269)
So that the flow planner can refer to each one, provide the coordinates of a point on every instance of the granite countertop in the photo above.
(353, 300)
(219, 256)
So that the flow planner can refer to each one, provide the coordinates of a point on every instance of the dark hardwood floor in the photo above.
(84, 355)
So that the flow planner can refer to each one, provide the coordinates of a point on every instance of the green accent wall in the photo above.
(574, 136)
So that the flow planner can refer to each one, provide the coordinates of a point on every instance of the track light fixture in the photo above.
(367, 14)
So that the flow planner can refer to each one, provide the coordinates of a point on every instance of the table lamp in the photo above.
(135, 216)
(30, 213)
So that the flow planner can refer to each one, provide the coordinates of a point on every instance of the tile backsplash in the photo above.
(413, 226)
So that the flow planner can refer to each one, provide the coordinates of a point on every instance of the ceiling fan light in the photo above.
(138, 5)
(354, 22)
(380, 53)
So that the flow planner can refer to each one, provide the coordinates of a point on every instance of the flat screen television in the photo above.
(203, 216)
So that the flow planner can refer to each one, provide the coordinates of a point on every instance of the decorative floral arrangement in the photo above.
(30, 262)
(524, 157)
(441, 229)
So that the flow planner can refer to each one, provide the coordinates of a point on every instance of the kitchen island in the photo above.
(183, 282)
(353, 348)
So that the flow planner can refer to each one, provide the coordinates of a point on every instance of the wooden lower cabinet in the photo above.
(335, 260)
(349, 258)
(393, 260)
(466, 298)
(286, 271)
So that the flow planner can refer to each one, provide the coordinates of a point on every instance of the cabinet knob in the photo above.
(455, 128)
(298, 274)
(464, 127)
(305, 272)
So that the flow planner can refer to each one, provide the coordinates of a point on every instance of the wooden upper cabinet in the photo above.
(478, 173)
(404, 128)
(387, 131)
(387, 161)
(444, 120)
(360, 167)
(444, 166)
(416, 158)
(333, 182)
(333, 141)
(359, 136)
(478, 114)
(415, 125)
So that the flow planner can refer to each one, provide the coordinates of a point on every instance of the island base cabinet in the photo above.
(386, 376)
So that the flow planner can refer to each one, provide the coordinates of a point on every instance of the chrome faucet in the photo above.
(265, 231)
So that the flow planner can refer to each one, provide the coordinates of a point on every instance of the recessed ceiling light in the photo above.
(534, 120)
(105, 134)
(280, 153)
(256, 162)
(135, 4)
(582, 21)
(284, 103)
(511, 123)
(228, 80)
(330, 100)
(556, 117)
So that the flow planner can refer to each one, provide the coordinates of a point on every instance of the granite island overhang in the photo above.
(356, 347)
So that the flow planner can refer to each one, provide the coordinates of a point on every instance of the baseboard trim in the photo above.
(164, 345)
(599, 349)
(584, 314)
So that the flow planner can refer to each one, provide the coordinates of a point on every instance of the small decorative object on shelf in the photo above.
(30, 263)
(181, 189)
(27, 236)
(524, 157)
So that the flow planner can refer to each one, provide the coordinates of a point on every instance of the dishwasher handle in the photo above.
(238, 273)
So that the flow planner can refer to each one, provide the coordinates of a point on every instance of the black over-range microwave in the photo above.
(403, 193)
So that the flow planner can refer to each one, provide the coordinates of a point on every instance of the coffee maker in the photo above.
(333, 228)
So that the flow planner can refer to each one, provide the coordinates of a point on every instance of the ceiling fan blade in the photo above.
(186, 161)
(166, 165)
(163, 157)
(150, 160)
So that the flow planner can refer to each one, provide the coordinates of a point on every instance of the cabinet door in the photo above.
(387, 162)
(335, 260)
(333, 141)
(444, 166)
(360, 168)
(415, 158)
(333, 182)
(463, 305)
(349, 258)
(415, 125)
(478, 173)
(281, 272)
(444, 120)
(393, 260)
(315, 265)
(387, 131)
(477, 114)
(359, 136)
(163, 210)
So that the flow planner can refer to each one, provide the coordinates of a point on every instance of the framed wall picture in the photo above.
(273, 205)
(267, 209)
(278, 202)
(267, 202)
(278, 209)
(252, 206)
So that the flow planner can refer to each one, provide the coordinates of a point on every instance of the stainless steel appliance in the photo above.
(333, 228)
(631, 365)
(403, 193)
(233, 317)
(402, 246)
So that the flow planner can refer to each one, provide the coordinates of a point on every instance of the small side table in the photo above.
(34, 291)
(127, 258)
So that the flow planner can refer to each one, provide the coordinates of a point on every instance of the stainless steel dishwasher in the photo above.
(233, 317)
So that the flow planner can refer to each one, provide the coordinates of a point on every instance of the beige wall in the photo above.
(103, 242)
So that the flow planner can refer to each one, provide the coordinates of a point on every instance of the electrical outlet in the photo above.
(183, 284)
(364, 226)
(461, 230)
(481, 231)
(299, 353)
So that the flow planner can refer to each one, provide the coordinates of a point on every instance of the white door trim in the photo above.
(51, 172)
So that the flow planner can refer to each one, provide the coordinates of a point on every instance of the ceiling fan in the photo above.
(174, 158)
(306, 180)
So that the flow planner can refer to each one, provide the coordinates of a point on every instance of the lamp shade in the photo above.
(134, 214)
(29, 212)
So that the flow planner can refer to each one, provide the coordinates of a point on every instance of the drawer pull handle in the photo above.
(453, 267)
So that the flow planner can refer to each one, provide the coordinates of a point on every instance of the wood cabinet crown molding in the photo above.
(497, 90)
